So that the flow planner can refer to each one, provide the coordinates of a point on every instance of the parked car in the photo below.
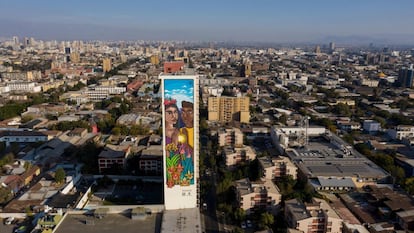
(249, 223)
(243, 225)
(9, 221)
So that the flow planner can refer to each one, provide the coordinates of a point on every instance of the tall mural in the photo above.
(178, 110)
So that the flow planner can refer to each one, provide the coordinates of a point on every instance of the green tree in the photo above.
(398, 173)
(5, 195)
(286, 185)
(60, 175)
(363, 149)
(266, 220)
(283, 118)
(239, 214)
(116, 130)
(409, 185)
(11, 110)
(27, 165)
(8, 158)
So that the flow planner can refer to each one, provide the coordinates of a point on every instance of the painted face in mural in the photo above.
(187, 114)
(171, 115)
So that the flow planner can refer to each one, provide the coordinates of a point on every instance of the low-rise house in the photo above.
(349, 126)
(29, 174)
(80, 132)
(371, 126)
(406, 220)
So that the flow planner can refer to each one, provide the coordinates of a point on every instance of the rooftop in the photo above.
(109, 224)
(323, 158)
(182, 221)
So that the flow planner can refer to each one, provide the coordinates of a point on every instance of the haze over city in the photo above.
(381, 22)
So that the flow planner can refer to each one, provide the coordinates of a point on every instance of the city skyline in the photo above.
(260, 21)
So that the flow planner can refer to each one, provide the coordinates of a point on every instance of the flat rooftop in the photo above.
(181, 221)
(322, 158)
(74, 223)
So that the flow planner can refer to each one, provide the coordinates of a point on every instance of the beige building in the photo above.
(75, 57)
(155, 60)
(53, 84)
(277, 167)
(227, 109)
(262, 195)
(314, 217)
(230, 137)
(106, 64)
(236, 155)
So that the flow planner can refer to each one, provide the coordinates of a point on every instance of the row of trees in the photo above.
(386, 160)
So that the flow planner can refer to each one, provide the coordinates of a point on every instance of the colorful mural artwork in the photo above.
(179, 131)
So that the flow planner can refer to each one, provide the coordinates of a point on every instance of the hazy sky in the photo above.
(206, 20)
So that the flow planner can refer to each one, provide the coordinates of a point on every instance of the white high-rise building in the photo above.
(180, 141)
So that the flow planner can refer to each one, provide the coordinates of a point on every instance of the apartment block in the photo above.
(24, 87)
(263, 195)
(230, 137)
(227, 109)
(150, 161)
(237, 155)
(277, 167)
(113, 156)
(314, 217)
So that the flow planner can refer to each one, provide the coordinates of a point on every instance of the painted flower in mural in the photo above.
(180, 169)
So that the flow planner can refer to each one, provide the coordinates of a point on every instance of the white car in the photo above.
(9, 221)
(249, 223)
(243, 225)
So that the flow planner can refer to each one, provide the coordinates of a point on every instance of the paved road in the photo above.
(6, 228)
(210, 216)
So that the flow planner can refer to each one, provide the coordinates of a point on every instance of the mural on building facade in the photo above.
(178, 108)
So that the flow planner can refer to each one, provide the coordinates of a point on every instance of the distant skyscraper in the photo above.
(15, 40)
(318, 49)
(331, 47)
(67, 54)
(406, 77)
(106, 66)
(26, 42)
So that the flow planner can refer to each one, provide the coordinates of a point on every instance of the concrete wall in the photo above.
(71, 184)
(15, 215)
